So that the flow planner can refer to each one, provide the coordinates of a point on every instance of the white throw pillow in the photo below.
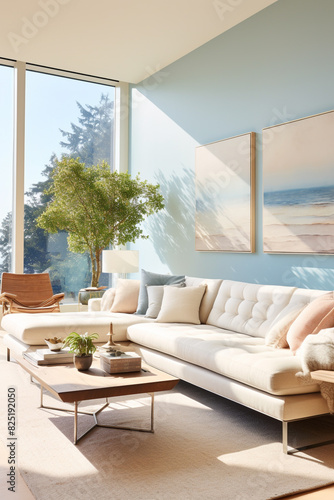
(276, 337)
(181, 305)
(108, 299)
(155, 294)
(126, 296)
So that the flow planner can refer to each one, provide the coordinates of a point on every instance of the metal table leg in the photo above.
(94, 414)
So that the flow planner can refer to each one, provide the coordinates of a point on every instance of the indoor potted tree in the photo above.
(97, 208)
(83, 348)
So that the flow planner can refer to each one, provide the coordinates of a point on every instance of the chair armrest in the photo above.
(11, 304)
(58, 296)
(7, 300)
(8, 296)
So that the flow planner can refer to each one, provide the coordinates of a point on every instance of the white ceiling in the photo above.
(126, 40)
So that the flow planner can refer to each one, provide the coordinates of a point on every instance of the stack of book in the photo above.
(47, 357)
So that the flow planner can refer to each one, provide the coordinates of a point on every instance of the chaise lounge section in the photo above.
(224, 336)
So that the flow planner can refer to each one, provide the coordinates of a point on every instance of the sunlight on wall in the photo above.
(303, 275)
(164, 153)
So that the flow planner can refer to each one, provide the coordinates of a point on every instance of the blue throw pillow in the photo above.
(149, 279)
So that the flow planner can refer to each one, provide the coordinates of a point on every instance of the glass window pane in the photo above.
(6, 165)
(63, 116)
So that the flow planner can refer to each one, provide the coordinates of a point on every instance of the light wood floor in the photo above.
(23, 492)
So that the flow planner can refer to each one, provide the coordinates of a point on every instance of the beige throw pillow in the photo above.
(317, 315)
(126, 296)
(181, 305)
(155, 295)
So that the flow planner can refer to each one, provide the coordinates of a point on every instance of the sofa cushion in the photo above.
(254, 309)
(181, 305)
(248, 308)
(146, 279)
(126, 296)
(318, 315)
(238, 356)
(212, 287)
(32, 329)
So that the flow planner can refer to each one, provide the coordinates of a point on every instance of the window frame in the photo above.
(121, 140)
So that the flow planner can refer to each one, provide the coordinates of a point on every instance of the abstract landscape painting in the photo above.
(225, 195)
(298, 180)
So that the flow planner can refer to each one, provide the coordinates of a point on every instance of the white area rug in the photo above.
(203, 447)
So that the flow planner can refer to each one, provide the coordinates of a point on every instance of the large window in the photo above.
(6, 165)
(63, 116)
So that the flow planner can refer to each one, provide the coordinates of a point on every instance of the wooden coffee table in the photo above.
(71, 386)
(323, 376)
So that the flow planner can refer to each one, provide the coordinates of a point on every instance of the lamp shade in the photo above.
(120, 261)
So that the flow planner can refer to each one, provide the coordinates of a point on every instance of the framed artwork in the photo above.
(225, 203)
(298, 185)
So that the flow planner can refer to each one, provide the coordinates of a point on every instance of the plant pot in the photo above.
(83, 363)
(85, 295)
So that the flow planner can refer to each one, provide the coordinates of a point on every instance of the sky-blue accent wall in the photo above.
(274, 67)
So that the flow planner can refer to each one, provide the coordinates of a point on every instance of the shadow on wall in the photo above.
(172, 231)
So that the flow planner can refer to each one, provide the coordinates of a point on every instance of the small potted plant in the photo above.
(83, 348)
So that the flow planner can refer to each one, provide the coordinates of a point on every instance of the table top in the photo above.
(323, 376)
(70, 385)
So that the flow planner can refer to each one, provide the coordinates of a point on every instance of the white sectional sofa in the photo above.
(224, 336)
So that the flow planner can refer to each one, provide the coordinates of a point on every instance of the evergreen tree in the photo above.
(91, 141)
(36, 258)
(36, 255)
(5, 243)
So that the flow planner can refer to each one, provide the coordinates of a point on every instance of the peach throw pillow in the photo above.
(126, 296)
(319, 314)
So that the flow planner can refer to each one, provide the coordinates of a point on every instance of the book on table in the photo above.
(48, 357)
(48, 354)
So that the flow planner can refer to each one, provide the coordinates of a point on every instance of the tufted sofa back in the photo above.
(252, 309)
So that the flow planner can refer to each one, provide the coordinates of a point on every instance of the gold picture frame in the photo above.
(225, 195)
(298, 186)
